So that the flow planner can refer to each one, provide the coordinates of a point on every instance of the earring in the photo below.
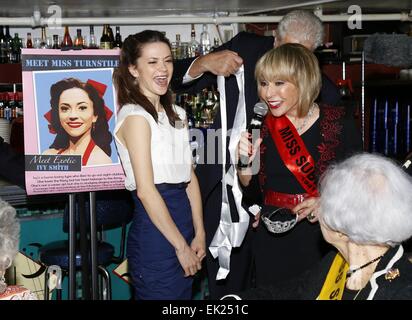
(93, 126)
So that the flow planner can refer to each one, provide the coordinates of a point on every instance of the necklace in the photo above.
(351, 272)
(307, 117)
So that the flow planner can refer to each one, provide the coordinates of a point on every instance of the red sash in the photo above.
(293, 152)
(87, 152)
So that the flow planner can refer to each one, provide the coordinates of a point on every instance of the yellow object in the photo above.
(334, 284)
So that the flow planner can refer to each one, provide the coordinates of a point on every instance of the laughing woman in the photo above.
(166, 241)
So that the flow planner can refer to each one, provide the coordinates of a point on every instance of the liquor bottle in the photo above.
(194, 45)
(17, 127)
(9, 40)
(7, 110)
(178, 47)
(205, 41)
(1, 105)
(209, 106)
(67, 42)
(78, 41)
(92, 42)
(215, 43)
(13, 104)
(18, 103)
(29, 42)
(198, 110)
(15, 50)
(105, 38)
(111, 36)
(43, 40)
(174, 50)
(3, 47)
(7, 35)
(56, 44)
(118, 39)
(185, 100)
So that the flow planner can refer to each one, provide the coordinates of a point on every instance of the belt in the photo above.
(170, 186)
(284, 200)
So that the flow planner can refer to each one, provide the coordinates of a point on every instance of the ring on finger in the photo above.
(310, 216)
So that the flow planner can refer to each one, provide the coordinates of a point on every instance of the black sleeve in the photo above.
(180, 68)
(11, 165)
(208, 79)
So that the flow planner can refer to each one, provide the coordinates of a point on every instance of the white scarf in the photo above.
(229, 234)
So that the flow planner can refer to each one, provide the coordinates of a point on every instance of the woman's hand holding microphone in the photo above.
(246, 152)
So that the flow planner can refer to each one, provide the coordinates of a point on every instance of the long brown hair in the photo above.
(128, 90)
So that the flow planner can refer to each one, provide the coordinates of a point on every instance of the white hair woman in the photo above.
(366, 214)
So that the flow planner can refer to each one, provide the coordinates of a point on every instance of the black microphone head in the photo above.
(260, 108)
(259, 111)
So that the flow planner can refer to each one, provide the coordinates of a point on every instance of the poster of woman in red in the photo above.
(70, 112)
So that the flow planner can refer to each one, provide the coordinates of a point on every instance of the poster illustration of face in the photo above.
(70, 114)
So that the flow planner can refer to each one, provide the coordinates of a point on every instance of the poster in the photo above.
(69, 117)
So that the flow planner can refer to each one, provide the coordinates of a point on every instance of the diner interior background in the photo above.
(385, 115)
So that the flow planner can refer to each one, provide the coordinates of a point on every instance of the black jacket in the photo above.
(309, 285)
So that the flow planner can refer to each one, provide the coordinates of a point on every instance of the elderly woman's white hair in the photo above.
(9, 235)
(302, 25)
(369, 198)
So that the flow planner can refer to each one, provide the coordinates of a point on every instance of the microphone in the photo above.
(259, 111)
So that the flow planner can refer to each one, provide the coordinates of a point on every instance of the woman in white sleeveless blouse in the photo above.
(166, 241)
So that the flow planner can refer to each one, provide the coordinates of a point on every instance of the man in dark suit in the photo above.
(191, 76)
(11, 165)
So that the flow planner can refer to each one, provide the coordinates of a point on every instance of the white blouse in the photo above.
(170, 149)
